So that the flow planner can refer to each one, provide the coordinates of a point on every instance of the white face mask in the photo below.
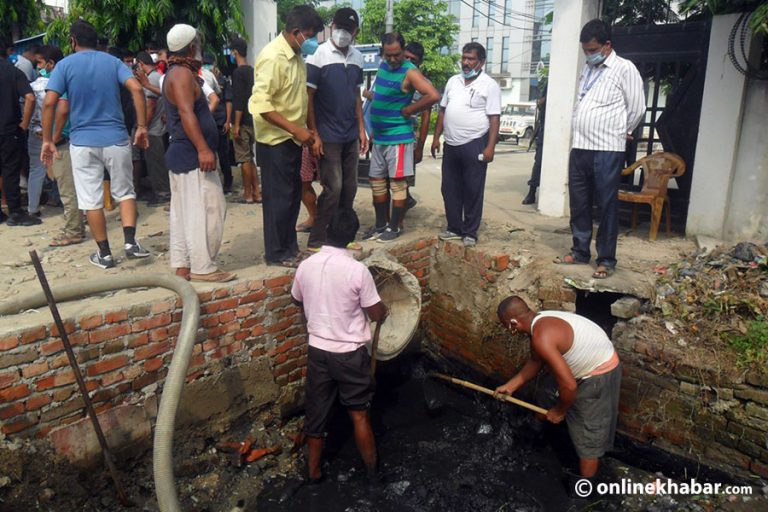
(341, 38)
(154, 57)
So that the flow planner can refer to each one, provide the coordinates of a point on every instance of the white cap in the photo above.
(180, 36)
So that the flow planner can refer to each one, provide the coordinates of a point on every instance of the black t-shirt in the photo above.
(242, 85)
(13, 85)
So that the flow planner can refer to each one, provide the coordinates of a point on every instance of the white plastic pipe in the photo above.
(162, 455)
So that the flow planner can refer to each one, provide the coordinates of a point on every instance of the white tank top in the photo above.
(591, 346)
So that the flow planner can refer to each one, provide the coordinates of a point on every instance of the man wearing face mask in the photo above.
(610, 105)
(279, 108)
(99, 139)
(469, 117)
(583, 380)
(335, 112)
(198, 208)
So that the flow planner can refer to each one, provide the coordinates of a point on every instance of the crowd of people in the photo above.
(95, 124)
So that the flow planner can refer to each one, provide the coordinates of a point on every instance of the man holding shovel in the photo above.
(336, 293)
(586, 367)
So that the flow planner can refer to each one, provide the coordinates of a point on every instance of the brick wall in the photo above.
(125, 351)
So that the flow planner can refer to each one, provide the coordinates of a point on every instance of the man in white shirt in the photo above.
(469, 119)
(610, 105)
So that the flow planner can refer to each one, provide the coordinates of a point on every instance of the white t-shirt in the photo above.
(467, 108)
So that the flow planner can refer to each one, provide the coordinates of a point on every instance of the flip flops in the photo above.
(64, 240)
(304, 228)
(603, 272)
(568, 259)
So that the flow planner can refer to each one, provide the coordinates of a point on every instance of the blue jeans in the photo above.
(37, 173)
(595, 175)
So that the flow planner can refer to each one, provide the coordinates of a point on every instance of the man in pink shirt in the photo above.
(336, 293)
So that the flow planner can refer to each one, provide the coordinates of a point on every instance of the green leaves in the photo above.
(21, 18)
(132, 23)
(425, 21)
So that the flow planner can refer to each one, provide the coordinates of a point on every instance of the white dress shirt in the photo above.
(610, 105)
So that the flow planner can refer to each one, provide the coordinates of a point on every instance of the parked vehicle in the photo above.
(517, 121)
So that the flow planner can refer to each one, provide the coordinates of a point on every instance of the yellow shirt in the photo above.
(279, 85)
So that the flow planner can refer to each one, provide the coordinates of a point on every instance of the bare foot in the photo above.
(183, 272)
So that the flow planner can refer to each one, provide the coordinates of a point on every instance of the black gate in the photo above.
(672, 60)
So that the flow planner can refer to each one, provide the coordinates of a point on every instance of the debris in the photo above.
(159, 233)
(245, 451)
(626, 307)
(764, 289)
(670, 327)
(746, 251)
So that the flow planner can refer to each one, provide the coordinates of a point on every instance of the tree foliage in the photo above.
(758, 21)
(425, 21)
(21, 18)
(638, 12)
(132, 23)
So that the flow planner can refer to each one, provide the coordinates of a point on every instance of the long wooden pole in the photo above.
(487, 391)
(374, 347)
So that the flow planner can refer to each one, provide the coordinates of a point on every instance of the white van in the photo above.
(517, 121)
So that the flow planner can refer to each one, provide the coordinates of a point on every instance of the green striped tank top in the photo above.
(389, 125)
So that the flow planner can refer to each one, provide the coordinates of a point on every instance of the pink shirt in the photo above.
(334, 288)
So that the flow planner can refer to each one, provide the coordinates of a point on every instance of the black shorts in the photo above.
(329, 373)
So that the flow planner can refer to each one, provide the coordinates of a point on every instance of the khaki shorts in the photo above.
(244, 145)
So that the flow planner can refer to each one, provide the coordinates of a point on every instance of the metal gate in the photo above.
(672, 60)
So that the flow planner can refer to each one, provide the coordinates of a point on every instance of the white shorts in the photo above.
(391, 161)
(88, 164)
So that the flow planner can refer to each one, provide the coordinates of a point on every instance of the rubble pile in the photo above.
(719, 297)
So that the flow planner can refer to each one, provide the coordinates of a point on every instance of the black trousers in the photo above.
(10, 168)
(224, 161)
(595, 175)
(281, 190)
(338, 176)
(464, 186)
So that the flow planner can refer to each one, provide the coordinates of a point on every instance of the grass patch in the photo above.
(752, 346)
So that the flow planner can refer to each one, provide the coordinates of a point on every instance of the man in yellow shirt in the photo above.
(279, 108)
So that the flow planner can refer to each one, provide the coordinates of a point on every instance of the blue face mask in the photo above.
(231, 59)
(309, 46)
(43, 72)
(468, 75)
(595, 59)
(209, 67)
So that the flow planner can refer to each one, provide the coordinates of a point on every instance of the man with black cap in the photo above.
(335, 112)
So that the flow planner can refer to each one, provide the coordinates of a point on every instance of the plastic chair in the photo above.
(659, 168)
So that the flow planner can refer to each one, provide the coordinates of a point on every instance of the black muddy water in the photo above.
(441, 449)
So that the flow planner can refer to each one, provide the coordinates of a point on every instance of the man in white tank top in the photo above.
(586, 367)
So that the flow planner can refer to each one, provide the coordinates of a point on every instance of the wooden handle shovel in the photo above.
(487, 391)
(374, 347)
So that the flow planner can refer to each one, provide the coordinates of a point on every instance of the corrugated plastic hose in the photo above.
(165, 485)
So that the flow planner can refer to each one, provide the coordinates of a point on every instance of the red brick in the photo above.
(145, 380)
(278, 281)
(253, 297)
(501, 262)
(91, 322)
(242, 334)
(210, 345)
(55, 381)
(109, 333)
(112, 378)
(37, 401)
(132, 372)
(12, 410)
(161, 307)
(173, 330)
(59, 361)
(107, 365)
(69, 328)
(280, 326)
(159, 334)
(258, 331)
(250, 322)
(138, 340)
(8, 378)
(151, 351)
(221, 293)
(116, 316)
(9, 343)
(227, 316)
(79, 338)
(221, 305)
(210, 321)
(153, 364)
(36, 334)
(33, 370)
(51, 347)
(18, 425)
(197, 361)
(152, 322)
(14, 393)
(243, 312)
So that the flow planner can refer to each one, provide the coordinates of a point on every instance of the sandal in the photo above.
(304, 228)
(64, 240)
(568, 259)
(354, 246)
(603, 272)
(242, 200)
